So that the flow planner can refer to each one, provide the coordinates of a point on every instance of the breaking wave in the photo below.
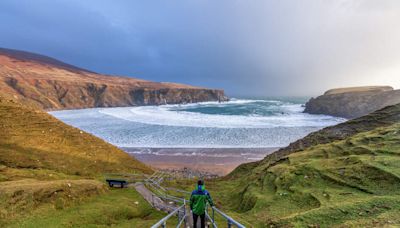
(237, 123)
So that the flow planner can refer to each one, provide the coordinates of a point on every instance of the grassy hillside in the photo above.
(32, 139)
(349, 180)
(51, 175)
(382, 118)
(121, 208)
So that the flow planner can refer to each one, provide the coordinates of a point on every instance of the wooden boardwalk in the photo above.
(154, 200)
(159, 204)
(161, 201)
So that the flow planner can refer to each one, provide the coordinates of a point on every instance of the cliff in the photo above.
(51, 84)
(353, 102)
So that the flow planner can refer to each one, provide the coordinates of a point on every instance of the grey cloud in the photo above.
(251, 47)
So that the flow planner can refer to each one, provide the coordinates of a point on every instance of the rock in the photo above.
(353, 102)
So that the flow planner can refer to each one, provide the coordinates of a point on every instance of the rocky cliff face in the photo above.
(51, 84)
(353, 102)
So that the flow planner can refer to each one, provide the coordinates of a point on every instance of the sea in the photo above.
(187, 129)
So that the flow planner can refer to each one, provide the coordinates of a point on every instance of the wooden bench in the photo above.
(112, 182)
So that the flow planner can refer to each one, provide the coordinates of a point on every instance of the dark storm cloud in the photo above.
(250, 47)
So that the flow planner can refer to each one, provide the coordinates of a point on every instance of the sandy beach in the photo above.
(219, 161)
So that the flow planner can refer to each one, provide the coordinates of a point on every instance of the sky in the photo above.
(247, 47)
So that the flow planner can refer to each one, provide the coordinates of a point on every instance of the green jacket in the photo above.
(199, 199)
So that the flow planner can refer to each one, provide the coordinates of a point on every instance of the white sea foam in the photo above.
(262, 123)
(213, 153)
(167, 115)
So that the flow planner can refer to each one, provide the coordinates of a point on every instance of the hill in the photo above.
(52, 174)
(48, 167)
(51, 84)
(33, 139)
(353, 102)
(381, 118)
(345, 175)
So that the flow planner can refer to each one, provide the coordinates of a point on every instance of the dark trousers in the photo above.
(202, 220)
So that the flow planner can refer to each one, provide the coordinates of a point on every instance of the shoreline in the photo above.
(207, 161)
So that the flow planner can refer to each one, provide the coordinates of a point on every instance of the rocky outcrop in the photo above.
(353, 102)
(52, 85)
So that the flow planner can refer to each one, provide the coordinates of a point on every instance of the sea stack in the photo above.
(353, 102)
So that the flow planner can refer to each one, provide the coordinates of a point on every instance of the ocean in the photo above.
(208, 137)
(239, 123)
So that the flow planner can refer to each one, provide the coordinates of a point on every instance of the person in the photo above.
(198, 201)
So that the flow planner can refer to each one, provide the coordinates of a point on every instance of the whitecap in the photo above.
(167, 115)
(174, 126)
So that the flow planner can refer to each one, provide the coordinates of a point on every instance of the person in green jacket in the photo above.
(198, 201)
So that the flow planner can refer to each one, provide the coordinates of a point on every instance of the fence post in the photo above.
(184, 209)
(213, 220)
(229, 224)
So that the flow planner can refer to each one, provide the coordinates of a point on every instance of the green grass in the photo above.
(51, 175)
(381, 118)
(352, 182)
(118, 207)
(23, 197)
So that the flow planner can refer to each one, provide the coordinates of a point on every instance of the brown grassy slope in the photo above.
(51, 84)
(33, 139)
(381, 118)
